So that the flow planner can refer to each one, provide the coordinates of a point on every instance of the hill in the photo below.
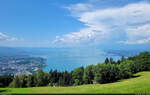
(139, 84)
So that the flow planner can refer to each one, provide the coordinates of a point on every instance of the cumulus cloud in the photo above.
(4, 37)
(85, 35)
(138, 35)
(133, 20)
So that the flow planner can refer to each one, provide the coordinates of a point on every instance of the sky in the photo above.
(75, 23)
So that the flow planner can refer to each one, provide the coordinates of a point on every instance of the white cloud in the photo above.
(143, 41)
(102, 23)
(130, 14)
(138, 35)
(4, 37)
(80, 7)
(84, 36)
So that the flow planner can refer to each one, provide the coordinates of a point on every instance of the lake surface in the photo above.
(70, 58)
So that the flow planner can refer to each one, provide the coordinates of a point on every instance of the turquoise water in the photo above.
(68, 59)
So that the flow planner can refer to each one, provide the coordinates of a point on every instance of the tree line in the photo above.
(109, 71)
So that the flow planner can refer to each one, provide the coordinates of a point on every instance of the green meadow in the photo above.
(139, 84)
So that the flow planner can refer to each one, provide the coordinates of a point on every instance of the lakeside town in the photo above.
(16, 66)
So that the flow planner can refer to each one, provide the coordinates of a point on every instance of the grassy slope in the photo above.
(139, 84)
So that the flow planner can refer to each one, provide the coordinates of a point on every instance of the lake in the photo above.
(70, 58)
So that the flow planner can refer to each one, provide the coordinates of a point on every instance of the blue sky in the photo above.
(75, 23)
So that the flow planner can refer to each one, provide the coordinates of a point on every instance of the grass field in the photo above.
(139, 84)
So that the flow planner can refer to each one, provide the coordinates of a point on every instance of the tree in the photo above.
(105, 73)
(66, 78)
(122, 58)
(106, 61)
(111, 61)
(46, 78)
(51, 77)
(19, 81)
(5, 80)
(54, 76)
(30, 81)
(118, 62)
(61, 81)
(124, 71)
(77, 82)
(60, 78)
(134, 68)
(40, 78)
(77, 74)
(23, 80)
(15, 83)
(88, 75)
(143, 59)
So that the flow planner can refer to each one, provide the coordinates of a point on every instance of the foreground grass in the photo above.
(139, 84)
